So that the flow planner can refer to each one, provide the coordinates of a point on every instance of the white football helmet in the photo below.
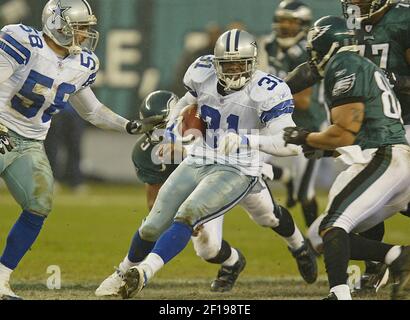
(235, 59)
(68, 22)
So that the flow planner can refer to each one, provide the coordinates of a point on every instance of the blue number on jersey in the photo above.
(204, 62)
(215, 120)
(35, 39)
(270, 79)
(87, 60)
(36, 100)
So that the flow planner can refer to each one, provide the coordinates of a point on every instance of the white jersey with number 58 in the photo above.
(41, 83)
(264, 101)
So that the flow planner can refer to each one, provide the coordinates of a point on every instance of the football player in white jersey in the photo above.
(246, 111)
(40, 73)
(158, 108)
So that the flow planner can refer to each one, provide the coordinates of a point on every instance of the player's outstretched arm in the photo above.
(301, 78)
(93, 111)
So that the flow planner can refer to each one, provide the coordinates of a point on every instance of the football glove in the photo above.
(144, 125)
(391, 76)
(5, 142)
(295, 135)
(230, 143)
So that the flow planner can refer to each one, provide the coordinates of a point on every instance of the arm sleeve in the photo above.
(301, 78)
(270, 140)
(6, 68)
(92, 110)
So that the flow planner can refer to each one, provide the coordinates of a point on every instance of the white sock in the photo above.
(5, 272)
(151, 265)
(233, 258)
(126, 264)
(392, 255)
(342, 292)
(296, 240)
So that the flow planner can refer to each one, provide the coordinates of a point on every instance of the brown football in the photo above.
(192, 122)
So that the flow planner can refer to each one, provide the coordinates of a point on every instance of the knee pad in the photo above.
(41, 203)
(150, 232)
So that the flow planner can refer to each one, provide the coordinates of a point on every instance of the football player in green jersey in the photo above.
(383, 32)
(286, 50)
(368, 133)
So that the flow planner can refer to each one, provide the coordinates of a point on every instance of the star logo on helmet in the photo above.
(58, 14)
(317, 32)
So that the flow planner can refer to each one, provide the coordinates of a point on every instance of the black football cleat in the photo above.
(227, 275)
(400, 272)
(375, 276)
(331, 296)
(306, 261)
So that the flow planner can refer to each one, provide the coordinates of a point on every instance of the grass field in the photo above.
(87, 235)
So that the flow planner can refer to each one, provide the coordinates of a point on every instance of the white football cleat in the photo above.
(111, 286)
(5, 291)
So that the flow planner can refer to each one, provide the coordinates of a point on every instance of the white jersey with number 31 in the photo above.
(261, 102)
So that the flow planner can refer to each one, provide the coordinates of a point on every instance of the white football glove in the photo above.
(230, 143)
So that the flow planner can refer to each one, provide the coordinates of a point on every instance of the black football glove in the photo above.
(391, 76)
(5, 142)
(144, 125)
(295, 135)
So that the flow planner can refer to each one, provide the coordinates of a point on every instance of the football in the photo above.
(192, 126)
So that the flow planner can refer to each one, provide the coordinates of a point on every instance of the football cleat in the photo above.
(400, 272)
(306, 261)
(111, 285)
(227, 276)
(5, 291)
(331, 296)
(134, 281)
(375, 276)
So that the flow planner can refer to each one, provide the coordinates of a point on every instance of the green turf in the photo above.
(88, 234)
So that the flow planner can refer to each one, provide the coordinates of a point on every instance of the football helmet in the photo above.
(328, 36)
(68, 23)
(154, 111)
(367, 7)
(291, 22)
(235, 59)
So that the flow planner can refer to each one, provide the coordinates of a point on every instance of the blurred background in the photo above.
(147, 45)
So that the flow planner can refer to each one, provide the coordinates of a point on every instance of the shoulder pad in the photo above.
(199, 71)
(18, 41)
(267, 90)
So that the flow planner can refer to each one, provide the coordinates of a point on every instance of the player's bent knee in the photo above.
(150, 232)
(267, 220)
(314, 237)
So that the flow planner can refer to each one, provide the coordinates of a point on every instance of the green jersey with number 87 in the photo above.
(385, 43)
(351, 78)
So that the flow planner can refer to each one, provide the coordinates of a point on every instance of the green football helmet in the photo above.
(154, 111)
(328, 36)
(367, 7)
